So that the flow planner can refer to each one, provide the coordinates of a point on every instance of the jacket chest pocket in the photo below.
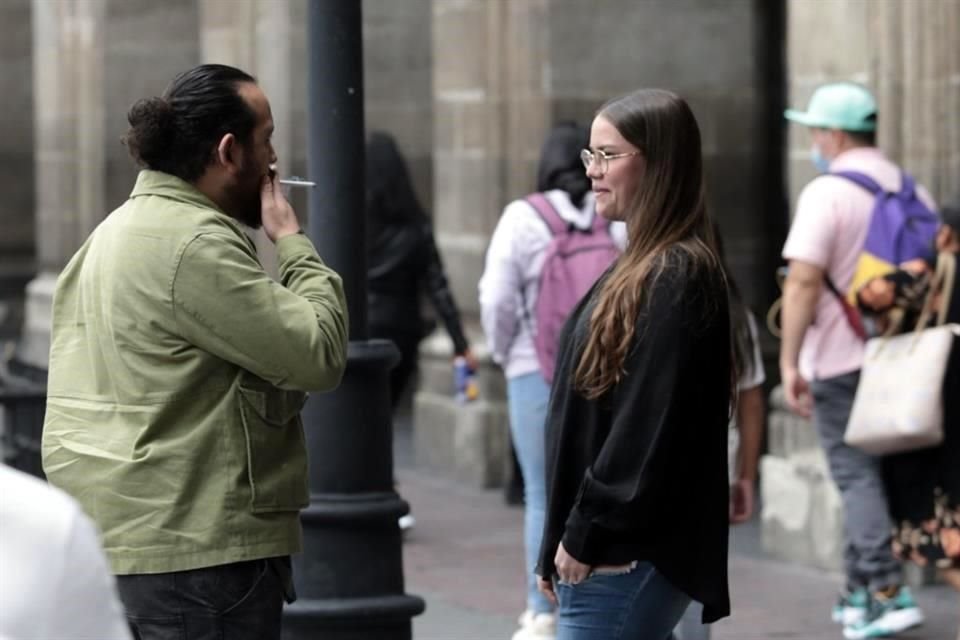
(276, 450)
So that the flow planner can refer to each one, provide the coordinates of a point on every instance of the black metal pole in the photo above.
(349, 578)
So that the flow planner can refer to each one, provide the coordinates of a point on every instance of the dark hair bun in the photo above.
(151, 131)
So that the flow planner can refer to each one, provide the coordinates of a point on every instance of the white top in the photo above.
(54, 578)
(756, 376)
(511, 276)
(748, 380)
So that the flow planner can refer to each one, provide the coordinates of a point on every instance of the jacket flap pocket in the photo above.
(274, 406)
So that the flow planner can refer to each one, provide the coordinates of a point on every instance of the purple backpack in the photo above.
(901, 228)
(575, 259)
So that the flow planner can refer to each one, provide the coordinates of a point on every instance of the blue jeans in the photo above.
(639, 605)
(527, 398)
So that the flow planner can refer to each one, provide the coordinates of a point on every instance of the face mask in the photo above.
(819, 161)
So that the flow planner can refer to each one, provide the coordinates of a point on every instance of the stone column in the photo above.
(397, 83)
(469, 442)
(255, 35)
(68, 41)
(908, 53)
(915, 70)
(490, 114)
(17, 243)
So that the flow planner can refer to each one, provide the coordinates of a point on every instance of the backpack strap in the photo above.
(859, 179)
(547, 213)
(852, 315)
(908, 186)
(854, 319)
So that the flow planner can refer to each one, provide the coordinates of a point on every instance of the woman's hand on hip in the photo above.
(569, 569)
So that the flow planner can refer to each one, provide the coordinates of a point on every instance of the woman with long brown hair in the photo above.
(637, 493)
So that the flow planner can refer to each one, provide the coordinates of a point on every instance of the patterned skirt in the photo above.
(934, 541)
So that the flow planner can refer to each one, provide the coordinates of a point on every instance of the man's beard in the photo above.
(249, 212)
(246, 199)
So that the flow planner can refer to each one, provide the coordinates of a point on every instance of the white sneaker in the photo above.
(526, 618)
(407, 522)
(536, 626)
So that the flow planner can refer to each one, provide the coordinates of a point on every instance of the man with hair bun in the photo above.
(178, 368)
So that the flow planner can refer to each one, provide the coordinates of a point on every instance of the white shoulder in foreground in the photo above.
(55, 581)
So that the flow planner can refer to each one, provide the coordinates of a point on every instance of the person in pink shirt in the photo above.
(821, 353)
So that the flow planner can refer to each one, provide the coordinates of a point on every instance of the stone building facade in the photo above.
(469, 87)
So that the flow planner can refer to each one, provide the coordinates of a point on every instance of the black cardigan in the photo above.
(641, 473)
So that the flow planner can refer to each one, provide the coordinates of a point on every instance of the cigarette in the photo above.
(299, 183)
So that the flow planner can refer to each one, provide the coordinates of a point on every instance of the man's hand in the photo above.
(797, 391)
(801, 291)
(569, 569)
(546, 588)
(279, 219)
(741, 501)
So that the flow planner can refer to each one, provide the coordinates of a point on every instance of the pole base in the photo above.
(375, 618)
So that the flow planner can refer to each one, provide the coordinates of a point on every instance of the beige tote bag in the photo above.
(899, 401)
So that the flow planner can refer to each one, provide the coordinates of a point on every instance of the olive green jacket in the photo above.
(177, 373)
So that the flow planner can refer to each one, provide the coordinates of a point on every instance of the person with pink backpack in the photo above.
(547, 251)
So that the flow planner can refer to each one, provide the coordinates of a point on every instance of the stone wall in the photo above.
(146, 43)
(397, 50)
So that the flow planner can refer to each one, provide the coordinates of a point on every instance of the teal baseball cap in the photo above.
(840, 105)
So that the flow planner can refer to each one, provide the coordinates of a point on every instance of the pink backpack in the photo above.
(574, 260)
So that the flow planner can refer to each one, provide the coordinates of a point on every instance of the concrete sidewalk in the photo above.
(465, 558)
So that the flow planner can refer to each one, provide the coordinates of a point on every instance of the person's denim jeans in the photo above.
(239, 601)
(527, 397)
(638, 605)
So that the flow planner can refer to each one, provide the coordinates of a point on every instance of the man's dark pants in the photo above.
(868, 557)
(239, 601)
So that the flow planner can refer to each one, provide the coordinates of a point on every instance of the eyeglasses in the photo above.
(602, 158)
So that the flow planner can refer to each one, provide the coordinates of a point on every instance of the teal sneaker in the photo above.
(851, 606)
(886, 617)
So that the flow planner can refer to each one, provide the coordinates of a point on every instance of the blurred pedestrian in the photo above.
(509, 289)
(923, 486)
(178, 368)
(55, 581)
(746, 429)
(820, 360)
(641, 395)
(402, 263)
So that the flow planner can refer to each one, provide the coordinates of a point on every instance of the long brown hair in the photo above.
(667, 212)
